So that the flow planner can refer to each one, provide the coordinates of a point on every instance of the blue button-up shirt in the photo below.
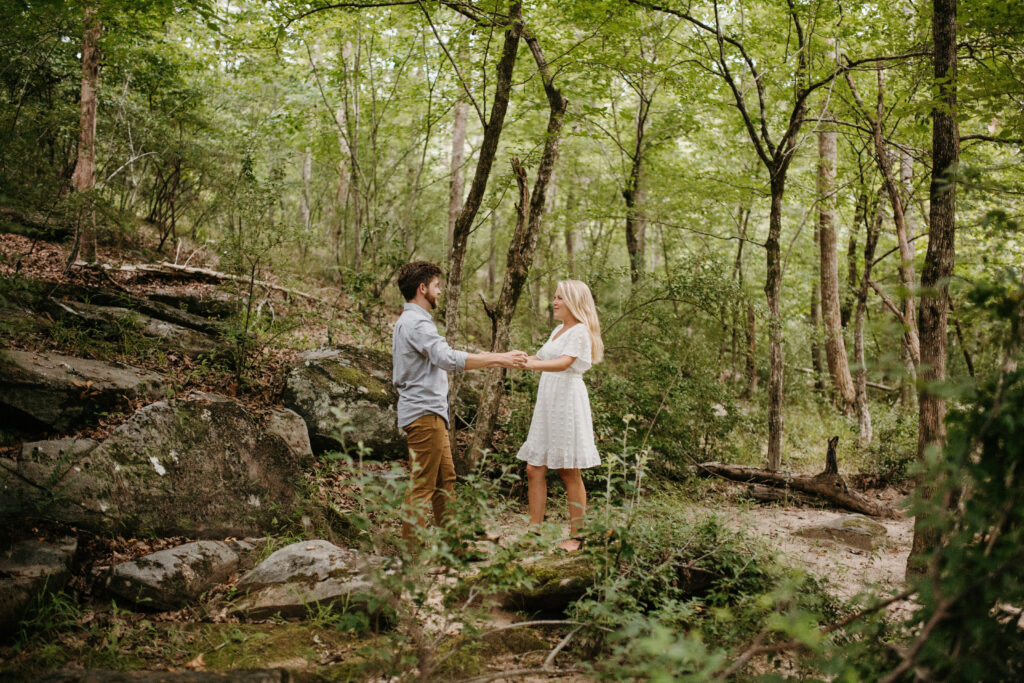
(421, 361)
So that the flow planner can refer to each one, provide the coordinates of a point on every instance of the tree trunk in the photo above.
(458, 157)
(850, 293)
(772, 285)
(488, 150)
(874, 227)
(816, 363)
(633, 194)
(835, 345)
(750, 368)
(939, 260)
(83, 179)
(354, 184)
(570, 236)
(520, 257)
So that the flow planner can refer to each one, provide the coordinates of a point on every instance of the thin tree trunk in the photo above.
(570, 236)
(520, 257)
(750, 368)
(850, 293)
(83, 179)
(488, 150)
(815, 318)
(835, 345)
(633, 194)
(939, 260)
(874, 227)
(772, 285)
(458, 157)
(492, 255)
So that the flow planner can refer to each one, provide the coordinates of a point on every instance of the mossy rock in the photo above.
(202, 467)
(553, 583)
(348, 386)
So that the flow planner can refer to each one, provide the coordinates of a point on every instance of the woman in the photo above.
(562, 432)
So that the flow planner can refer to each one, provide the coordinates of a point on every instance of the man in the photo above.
(421, 362)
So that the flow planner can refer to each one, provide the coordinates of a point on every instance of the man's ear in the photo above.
(422, 289)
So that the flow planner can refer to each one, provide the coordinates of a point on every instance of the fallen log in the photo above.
(168, 268)
(828, 485)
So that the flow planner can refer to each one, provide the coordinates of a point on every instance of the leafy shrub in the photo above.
(894, 448)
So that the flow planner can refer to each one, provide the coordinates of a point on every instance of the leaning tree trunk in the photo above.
(84, 177)
(835, 345)
(488, 150)
(520, 257)
(772, 286)
(939, 260)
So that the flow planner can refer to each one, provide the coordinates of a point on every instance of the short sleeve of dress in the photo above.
(577, 344)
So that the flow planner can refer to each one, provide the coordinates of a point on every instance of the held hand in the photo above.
(515, 359)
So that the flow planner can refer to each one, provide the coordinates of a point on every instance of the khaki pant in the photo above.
(433, 471)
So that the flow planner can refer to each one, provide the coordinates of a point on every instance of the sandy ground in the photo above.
(848, 570)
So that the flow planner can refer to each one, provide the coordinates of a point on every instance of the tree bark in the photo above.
(83, 179)
(772, 285)
(835, 345)
(488, 150)
(520, 257)
(940, 258)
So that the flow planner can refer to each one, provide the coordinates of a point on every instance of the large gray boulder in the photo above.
(308, 576)
(176, 577)
(858, 531)
(63, 391)
(351, 386)
(203, 467)
(27, 570)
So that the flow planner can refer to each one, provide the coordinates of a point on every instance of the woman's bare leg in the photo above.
(536, 476)
(577, 495)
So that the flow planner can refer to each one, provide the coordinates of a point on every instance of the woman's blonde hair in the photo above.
(581, 304)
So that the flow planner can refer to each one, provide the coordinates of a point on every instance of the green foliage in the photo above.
(893, 451)
(971, 590)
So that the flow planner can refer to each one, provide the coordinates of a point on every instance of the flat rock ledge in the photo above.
(309, 576)
(857, 531)
(174, 578)
(63, 392)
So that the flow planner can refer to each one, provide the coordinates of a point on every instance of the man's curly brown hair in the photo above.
(414, 274)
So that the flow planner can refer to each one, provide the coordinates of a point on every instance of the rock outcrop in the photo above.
(347, 387)
(176, 577)
(203, 467)
(29, 569)
(63, 392)
(312, 575)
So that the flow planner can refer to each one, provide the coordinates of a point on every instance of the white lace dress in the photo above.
(562, 431)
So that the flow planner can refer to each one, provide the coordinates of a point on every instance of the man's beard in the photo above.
(432, 300)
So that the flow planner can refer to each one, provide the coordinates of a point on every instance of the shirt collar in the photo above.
(417, 310)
